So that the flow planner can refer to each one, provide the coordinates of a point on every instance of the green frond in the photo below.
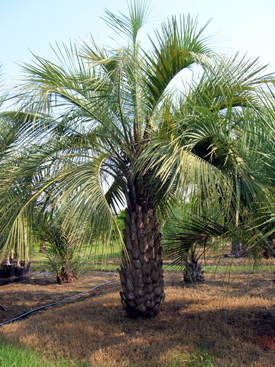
(139, 12)
(172, 168)
(192, 234)
(228, 81)
(174, 50)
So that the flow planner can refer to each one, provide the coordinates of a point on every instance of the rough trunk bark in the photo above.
(193, 272)
(7, 262)
(235, 247)
(142, 275)
(65, 276)
(43, 248)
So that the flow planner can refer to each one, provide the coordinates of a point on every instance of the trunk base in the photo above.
(65, 276)
(193, 273)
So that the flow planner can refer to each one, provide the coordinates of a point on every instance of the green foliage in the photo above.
(199, 359)
(65, 264)
(15, 356)
(188, 239)
(119, 220)
(64, 255)
(100, 129)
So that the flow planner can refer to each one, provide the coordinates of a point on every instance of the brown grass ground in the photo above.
(224, 319)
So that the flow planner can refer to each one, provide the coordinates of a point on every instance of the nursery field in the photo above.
(165, 146)
(229, 320)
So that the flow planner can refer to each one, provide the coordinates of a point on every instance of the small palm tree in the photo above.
(187, 241)
(63, 253)
(105, 132)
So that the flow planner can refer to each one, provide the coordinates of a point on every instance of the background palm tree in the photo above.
(236, 137)
(104, 131)
(15, 229)
(187, 240)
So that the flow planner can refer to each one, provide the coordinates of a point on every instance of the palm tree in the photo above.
(11, 135)
(188, 239)
(108, 134)
(259, 229)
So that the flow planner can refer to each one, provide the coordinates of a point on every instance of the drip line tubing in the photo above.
(55, 303)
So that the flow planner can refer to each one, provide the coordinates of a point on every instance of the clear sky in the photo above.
(31, 25)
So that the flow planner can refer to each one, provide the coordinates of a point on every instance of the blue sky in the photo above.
(31, 25)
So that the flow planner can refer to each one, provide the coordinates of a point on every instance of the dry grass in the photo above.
(222, 319)
(18, 298)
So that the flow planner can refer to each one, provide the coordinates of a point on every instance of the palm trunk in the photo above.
(235, 247)
(193, 272)
(7, 262)
(141, 275)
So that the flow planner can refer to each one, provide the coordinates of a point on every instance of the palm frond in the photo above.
(174, 50)
(139, 12)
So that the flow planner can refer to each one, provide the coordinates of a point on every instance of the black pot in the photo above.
(18, 271)
(8, 271)
(27, 269)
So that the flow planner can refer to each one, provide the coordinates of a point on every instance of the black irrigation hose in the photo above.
(55, 303)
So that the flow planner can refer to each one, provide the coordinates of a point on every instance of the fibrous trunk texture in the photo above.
(193, 272)
(141, 274)
(235, 247)
(238, 249)
(65, 276)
